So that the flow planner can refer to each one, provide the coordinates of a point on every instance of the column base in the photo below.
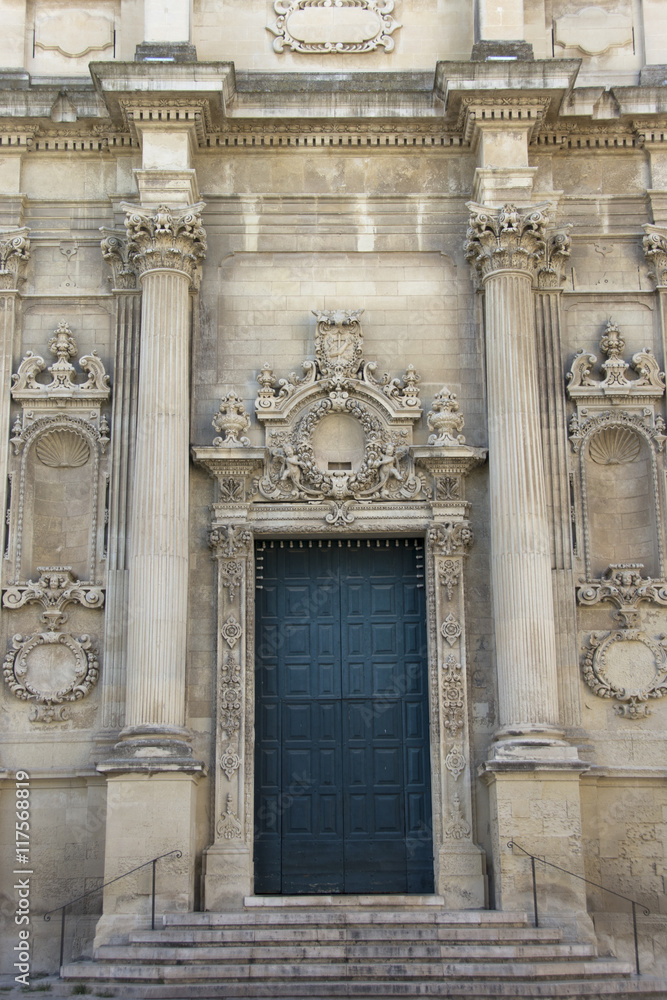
(537, 805)
(227, 877)
(148, 814)
(461, 876)
(166, 52)
(533, 745)
(156, 748)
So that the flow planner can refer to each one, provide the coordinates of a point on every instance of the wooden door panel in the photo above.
(342, 775)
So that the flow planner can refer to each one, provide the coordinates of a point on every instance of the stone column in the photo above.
(166, 250)
(123, 436)
(505, 247)
(14, 252)
(555, 450)
(151, 802)
(533, 776)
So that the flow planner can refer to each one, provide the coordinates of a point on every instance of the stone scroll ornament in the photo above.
(336, 26)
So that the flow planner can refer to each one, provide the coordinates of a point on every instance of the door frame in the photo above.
(459, 862)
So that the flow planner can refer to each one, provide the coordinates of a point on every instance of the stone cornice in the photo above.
(164, 240)
(14, 253)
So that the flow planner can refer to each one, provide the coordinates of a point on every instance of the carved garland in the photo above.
(294, 473)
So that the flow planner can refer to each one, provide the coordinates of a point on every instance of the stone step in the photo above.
(394, 901)
(345, 951)
(644, 988)
(321, 917)
(389, 934)
(356, 971)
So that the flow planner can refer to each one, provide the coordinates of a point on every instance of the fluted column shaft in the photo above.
(521, 561)
(554, 443)
(508, 249)
(165, 248)
(14, 252)
(158, 593)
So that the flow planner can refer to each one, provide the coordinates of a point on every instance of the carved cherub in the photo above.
(387, 464)
(291, 465)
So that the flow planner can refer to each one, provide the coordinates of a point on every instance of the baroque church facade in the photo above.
(332, 434)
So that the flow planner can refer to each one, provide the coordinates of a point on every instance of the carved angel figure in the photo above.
(387, 464)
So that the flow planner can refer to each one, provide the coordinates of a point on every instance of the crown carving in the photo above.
(63, 384)
(614, 381)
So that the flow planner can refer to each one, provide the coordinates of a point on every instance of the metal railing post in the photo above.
(62, 937)
(99, 888)
(533, 858)
(153, 898)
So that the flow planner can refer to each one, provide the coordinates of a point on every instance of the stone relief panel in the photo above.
(336, 26)
(593, 30)
(67, 37)
(56, 523)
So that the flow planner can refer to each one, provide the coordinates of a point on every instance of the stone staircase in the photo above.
(353, 947)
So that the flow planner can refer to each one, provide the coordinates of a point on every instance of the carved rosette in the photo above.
(14, 253)
(116, 252)
(507, 239)
(165, 239)
(232, 547)
(655, 251)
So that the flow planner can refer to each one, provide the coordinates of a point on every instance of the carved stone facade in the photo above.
(327, 273)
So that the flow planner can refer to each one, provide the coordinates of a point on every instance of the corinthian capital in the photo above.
(507, 239)
(14, 251)
(655, 251)
(115, 250)
(166, 239)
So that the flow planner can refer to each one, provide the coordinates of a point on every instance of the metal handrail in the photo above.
(635, 904)
(63, 908)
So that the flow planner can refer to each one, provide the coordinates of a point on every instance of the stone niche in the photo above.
(621, 506)
(59, 512)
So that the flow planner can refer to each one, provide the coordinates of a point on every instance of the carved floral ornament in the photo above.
(160, 239)
(336, 26)
(516, 239)
(14, 251)
(655, 251)
(64, 385)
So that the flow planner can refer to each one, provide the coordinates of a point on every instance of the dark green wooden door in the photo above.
(342, 776)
